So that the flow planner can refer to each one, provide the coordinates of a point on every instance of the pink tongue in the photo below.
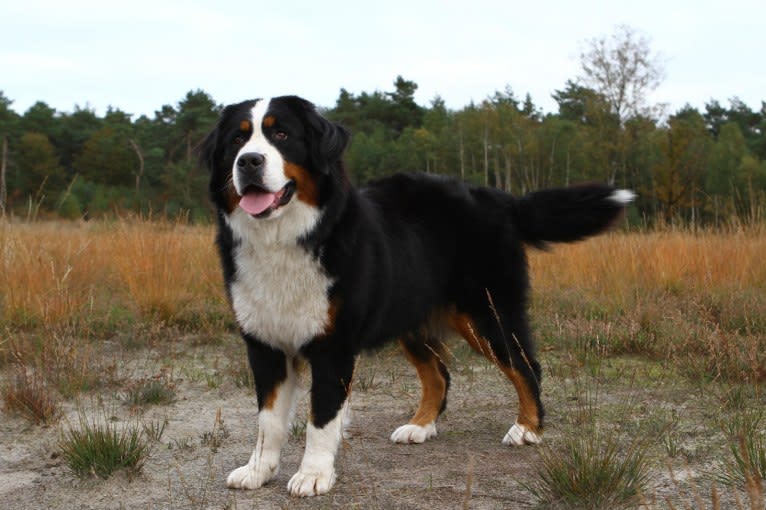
(257, 202)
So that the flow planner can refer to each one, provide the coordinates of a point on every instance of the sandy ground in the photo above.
(466, 466)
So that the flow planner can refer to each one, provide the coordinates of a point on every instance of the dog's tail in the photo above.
(568, 214)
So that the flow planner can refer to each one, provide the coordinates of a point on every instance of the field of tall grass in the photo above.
(691, 303)
(67, 287)
(697, 299)
(93, 275)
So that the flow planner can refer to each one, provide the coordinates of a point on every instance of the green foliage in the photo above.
(154, 391)
(680, 170)
(106, 158)
(706, 167)
(99, 448)
(39, 174)
(747, 448)
(40, 118)
(593, 470)
(69, 206)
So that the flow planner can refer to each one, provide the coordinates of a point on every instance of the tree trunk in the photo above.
(140, 155)
(3, 168)
(498, 175)
(552, 162)
(189, 148)
(462, 157)
(486, 157)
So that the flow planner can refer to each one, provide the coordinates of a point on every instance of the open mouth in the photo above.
(260, 203)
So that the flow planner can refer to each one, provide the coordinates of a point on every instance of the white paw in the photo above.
(311, 484)
(411, 433)
(252, 476)
(519, 435)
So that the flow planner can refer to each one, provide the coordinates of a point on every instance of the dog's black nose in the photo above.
(250, 161)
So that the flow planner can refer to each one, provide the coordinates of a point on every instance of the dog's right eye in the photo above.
(239, 140)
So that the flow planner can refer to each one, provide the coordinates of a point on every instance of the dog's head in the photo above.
(267, 157)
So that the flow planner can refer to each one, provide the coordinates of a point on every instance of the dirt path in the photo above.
(182, 472)
(464, 467)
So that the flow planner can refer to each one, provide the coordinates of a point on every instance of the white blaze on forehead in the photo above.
(273, 173)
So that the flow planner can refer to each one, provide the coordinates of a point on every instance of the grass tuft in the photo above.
(100, 448)
(27, 395)
(155, 391)
(746, 466)
(215, 438)
(240, 372)
(592, 471)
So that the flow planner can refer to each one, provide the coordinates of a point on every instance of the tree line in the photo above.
(697, 166)
(80, 164)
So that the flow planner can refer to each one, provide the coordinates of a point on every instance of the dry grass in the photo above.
(66, 287)
(168, 270)
(27, 394)
(49, 273)
(79, 300)
(698, 300)
(620, 264)
(87, 277)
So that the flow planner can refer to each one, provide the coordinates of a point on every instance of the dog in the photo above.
(317, 270)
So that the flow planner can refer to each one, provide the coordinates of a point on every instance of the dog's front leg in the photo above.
(331, 374)
(275, 385)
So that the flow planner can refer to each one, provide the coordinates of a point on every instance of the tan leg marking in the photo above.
(434, 389)
(528, 411)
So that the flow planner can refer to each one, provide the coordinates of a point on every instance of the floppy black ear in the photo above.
(209, 150)
(327, 139)
(333, 140)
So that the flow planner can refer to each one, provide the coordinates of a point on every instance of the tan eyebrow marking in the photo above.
(244, 125)
(269, 121)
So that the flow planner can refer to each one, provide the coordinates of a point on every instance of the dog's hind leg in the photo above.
(509, 350)
(426, 354)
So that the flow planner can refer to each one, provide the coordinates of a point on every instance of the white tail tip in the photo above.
(622, 196)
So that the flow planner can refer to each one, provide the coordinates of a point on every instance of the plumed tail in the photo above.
(568, 214)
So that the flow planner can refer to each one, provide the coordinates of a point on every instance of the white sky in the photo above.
(141, 54)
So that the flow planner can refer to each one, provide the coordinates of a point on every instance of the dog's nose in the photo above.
(250, 161)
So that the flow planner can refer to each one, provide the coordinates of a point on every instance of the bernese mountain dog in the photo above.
(318, 270)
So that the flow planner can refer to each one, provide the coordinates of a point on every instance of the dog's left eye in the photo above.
(280, 135)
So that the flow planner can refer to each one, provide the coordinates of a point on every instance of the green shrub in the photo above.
(591, 470)
(99, 448)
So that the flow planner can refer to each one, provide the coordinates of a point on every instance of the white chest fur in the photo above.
(279, 293)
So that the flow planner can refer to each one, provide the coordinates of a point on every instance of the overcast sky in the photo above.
(141, 54)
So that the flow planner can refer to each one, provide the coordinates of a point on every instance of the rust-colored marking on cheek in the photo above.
(306, 187)
(231, 196)
(434, 389)
(269, 121)
(244, 126)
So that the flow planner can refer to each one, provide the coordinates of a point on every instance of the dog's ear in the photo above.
(327, 139)
(208, 151)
